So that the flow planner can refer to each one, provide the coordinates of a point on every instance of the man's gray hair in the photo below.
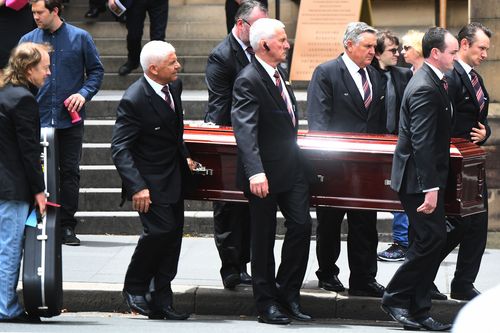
(154, 52)
(354, 30)
(264, 28)
(246, 8)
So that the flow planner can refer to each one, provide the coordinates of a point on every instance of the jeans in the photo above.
(400, 229)
(13, 216)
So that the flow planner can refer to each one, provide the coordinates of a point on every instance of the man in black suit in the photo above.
(152, 160)
(271, 173)
(232, 7)
(157, 11)
(419, 175)
(471, 100)
(346, 95)
(231, 220)
(395, 80)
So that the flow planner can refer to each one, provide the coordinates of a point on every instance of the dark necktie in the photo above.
(445, 83)
(282, 93)
(250, 50)
(168, 99)
(477, 87)
(367, 95)
(390, 104)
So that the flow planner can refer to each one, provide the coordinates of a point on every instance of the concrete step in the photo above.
(183, 46)
(190, 64)
(175, 29)
(113, 81)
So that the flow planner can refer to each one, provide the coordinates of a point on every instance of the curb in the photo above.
(217, 301)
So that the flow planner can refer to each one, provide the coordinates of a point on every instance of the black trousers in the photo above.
(136, 14)
(410, 286)
(231, 8)
(232, 235)
(154, 263)
(471, 232)
(97, 4)
(362, 242)
(269, 288)
(70, 152)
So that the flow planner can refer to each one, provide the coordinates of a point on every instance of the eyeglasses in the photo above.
(407, 47)
(393, 50)
(245, 21)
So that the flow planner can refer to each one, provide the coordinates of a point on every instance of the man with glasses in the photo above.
(395, 80)
(231, 220)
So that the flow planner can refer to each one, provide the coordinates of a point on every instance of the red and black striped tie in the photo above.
(282, 93)
(367, 94)
(477, 87)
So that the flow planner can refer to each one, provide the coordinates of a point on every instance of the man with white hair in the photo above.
(346, 94)
(152, 160)
(271, 172)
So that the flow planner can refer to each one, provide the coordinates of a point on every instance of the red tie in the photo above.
(477, 87)
(168, 99)
(282, 93)
(367, 95)
(445, 83)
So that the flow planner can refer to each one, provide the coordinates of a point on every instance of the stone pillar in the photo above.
(488, 13)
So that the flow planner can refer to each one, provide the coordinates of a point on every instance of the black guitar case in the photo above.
(42, 266)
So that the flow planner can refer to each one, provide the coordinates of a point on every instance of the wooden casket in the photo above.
(354, 170)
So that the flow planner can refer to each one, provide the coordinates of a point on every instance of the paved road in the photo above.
(125, 323)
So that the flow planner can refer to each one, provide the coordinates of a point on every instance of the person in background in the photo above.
(77, 77)
(20, 168)
(95, 7)
(395, 80)
(231, 8)
(412, 49)
(13, 25)
(231, 219)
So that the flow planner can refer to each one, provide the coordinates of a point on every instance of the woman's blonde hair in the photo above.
(22, 58)
(413, 38)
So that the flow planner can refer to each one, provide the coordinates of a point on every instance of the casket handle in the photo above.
(202, 170)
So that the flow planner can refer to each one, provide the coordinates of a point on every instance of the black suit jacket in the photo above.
(20, 169)
(147, 145)
(265, 134)
(400, 76)
(422, 153)
(335, 104)
(463, 95)
(224, 63)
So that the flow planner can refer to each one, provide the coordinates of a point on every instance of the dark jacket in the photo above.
(21, 174)
(463, 95)
(224, 63)
(265, 134)
(422, 153)
(147, 145)
(335, 104)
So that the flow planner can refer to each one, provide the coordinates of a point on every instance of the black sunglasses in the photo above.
(393, 50)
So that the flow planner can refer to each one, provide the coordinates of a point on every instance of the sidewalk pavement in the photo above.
(93, 276)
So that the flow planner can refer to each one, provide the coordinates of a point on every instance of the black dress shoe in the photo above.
(436, 294)
(168, 313)
(402, 316)
(273, 315)
(464, 295)
(331, 284)
(93, 12)
(430, 324)
(294, 311)
(372, 289)
(23, 318)
(137, 303)
(231, 281)
(245, 278)
(127, 68)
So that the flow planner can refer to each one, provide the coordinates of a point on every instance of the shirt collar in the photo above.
(155, 85)
(351, 65)
(436, 71)
(465, 66)
(268, 68)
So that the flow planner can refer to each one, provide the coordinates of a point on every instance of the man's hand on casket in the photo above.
(430, 202)
(259, 186)
(141, 201)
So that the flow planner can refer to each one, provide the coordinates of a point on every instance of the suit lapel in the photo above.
(293, 101)
(352, 88)
(467, 83)
(444, 93)
(238, 51)
(159, 106)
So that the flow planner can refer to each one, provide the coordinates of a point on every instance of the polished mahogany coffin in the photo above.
(353, 170)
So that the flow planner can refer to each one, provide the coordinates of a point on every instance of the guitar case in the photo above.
(42, 265)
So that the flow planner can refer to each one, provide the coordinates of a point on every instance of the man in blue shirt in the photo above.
(77, 74)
